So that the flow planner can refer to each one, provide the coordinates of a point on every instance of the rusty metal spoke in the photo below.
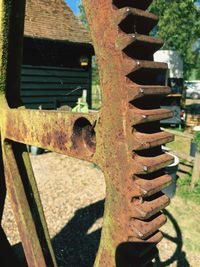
(68, 133)
(27, 208)
(7, 256)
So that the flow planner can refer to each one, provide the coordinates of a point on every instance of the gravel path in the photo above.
(72, 193)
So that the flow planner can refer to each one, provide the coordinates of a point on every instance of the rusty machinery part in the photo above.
(123, 139)
(130, 142)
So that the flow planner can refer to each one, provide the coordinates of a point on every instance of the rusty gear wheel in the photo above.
(123, 139)
(128, 135)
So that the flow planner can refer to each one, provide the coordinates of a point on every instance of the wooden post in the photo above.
(196, 170)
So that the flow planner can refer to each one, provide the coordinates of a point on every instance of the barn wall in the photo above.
(52, 75)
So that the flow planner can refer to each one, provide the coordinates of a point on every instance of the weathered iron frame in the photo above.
(105, 138)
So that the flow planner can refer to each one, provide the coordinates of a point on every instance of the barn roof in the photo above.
(53, 19)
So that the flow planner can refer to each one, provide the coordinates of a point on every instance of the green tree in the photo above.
(95, 73)
(179, 27)
(82, 16)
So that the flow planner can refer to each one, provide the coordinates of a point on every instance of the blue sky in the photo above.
(73, 4)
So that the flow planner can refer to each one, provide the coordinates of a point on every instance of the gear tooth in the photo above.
(135, 70)
(139, 116)
(135, 91)
(143, 141)
(153, 239)
(152, 164)
(137, 45)
(143, 22)
(144, 229)
(148, 187)
(148, 208)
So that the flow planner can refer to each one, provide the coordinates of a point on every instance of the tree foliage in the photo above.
(179, 27)
(82, 16)
(95, 73)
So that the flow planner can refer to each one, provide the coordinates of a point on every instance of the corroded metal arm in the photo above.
(129, 138)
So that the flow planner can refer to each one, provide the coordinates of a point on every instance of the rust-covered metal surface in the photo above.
(123, 139)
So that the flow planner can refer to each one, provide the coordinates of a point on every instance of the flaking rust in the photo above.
(123, 139)
(133, 165)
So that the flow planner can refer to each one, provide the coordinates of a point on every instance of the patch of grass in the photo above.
(177, 129)
(180, 145)
(184, 189)
(186, 214)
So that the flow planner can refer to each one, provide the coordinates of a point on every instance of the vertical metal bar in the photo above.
(20, 180)
(7, 256)
(11, 48)
(20, 192)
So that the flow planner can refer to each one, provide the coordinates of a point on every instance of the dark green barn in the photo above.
(56, 58)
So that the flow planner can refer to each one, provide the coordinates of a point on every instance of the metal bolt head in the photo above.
(145, 168)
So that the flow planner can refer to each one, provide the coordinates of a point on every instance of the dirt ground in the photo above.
(73, 192)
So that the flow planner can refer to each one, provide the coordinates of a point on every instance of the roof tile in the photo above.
(53, 19)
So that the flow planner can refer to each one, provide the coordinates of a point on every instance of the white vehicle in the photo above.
(175, 68)
(192, 89)
(175, 81)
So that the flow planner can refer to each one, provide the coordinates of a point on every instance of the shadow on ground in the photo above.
(179, 255)
(75, 247)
